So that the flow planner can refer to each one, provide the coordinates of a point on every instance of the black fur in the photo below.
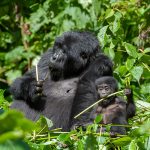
(59, 72)
(86, 93)
(114, 109)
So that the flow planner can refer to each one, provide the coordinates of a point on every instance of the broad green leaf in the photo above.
(14, 55)
(44, 123)
(109, 13)
(145, 58)
(77, 15)
(14, 145)
(133, 145)
(110, 52)
(145, 88)
(12, 75)
(122, 141)
(122, 70)
(1, 96)
(112, 45)
(147, 50)
(91, 143)
(98, 118)
(64, 137)
(80, 145)
(137, 72)
(131, 50)
(116, 26)
(12, 119)
(102, 36)
(118, 15)
(143, 104)
(96, 4)
(67, 25)
(40, 17)
(145, 128)
(85, 3)
(5, 38)
(11, 135)
(101, 139)
(130, 62)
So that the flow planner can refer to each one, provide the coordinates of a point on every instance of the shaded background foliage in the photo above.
(29, 27)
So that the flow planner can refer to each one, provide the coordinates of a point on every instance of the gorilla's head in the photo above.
(106, 86)
(72, 53)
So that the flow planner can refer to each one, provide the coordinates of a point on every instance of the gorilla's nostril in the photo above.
(53, 58)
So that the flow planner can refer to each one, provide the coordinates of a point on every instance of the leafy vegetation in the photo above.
(28, 28)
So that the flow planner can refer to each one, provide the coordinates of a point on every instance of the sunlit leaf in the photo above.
(137, 72)
(122, 141)
(102, 35)
(131, 50)
(129, 63)
(14, 145)
(133, 145)
(109, 13)
(98, 118)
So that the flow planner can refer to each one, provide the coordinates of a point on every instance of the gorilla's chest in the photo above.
(65, 88)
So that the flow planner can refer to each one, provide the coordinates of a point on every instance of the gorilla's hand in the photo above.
(127, 92)
(38, 91)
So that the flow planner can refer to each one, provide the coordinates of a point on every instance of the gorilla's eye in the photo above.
(59, 45)
(83, 55)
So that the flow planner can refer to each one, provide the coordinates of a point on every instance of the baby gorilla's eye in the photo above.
(83, 55)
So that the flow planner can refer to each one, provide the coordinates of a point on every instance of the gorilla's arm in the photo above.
(131, 108)
(86, 93)
(26, 87)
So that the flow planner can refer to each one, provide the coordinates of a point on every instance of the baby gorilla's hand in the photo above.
(38, 91)
(127, 92)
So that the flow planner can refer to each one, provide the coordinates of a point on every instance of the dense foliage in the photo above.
(29, 27)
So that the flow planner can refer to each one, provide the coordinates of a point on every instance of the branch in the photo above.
(97, 103)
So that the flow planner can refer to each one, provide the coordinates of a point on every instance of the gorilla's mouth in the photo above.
(56, 66)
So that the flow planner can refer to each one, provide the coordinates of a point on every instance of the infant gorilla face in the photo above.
(104, 90)
(72, 53)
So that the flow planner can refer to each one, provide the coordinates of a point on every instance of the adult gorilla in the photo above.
(59, 70)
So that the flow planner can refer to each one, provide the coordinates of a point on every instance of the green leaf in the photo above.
(122, 70)
(116, 26)
(98, 118)
(143, 104)
(102, 36)
(12, 119)
(44, 123)
(64, 137)
(145, 88)
(5, 38)
(145, 58)
(122, 141)
(133, 145)
(130, 62)
(77, 15)
(137, 72)
(80, 145)
(147, 50)
(91, 143)
(109, 13)
(110, 52)
(11, 135)
(14, 55)
(12, 75)
(2, 99)
(14, 145)
(131, 50)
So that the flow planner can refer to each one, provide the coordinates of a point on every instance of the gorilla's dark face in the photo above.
(104, 90)
(106, 86)
(72, 53)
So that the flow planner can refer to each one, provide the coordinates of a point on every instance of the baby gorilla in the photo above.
(114, 109)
